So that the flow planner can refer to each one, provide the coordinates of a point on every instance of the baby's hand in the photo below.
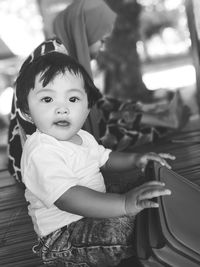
(140, 197)
(143, 159)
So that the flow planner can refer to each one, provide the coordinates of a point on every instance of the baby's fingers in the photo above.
(163, 162)
(167, 156)
(150, 185)
(158, 158)
(151, 193)
(144, 202)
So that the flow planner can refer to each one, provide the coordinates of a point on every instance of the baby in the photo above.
(77, 222)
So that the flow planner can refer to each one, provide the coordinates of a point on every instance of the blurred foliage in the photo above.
(157, 15)
(152, 22)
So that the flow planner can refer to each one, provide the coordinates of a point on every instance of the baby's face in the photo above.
(60, 108)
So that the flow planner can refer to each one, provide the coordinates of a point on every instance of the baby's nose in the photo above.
(62, 110)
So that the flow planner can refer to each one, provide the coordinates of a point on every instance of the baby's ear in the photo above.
(27, 117)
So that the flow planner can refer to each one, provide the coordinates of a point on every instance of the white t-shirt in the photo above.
(50, 167)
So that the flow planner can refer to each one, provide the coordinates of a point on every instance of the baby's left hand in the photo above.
(143, 159)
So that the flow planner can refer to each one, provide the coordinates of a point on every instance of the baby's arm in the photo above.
(120, 161)
(89, 203)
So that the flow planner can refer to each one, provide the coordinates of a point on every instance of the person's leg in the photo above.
(90, 242)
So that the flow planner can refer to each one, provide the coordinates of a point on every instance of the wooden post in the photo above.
(193, 13)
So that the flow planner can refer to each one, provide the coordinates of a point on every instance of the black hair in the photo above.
(49, 66)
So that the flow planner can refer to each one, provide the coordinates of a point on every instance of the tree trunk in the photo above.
(120, 60)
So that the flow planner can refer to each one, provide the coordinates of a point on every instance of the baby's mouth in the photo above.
(62, 123)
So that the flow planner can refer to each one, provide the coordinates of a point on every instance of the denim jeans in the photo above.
(89, 242)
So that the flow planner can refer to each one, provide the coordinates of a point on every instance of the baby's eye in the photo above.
(47, 99)
(74, 99)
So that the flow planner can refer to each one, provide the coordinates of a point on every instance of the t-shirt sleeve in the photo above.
(103, 154)
(48, 175)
